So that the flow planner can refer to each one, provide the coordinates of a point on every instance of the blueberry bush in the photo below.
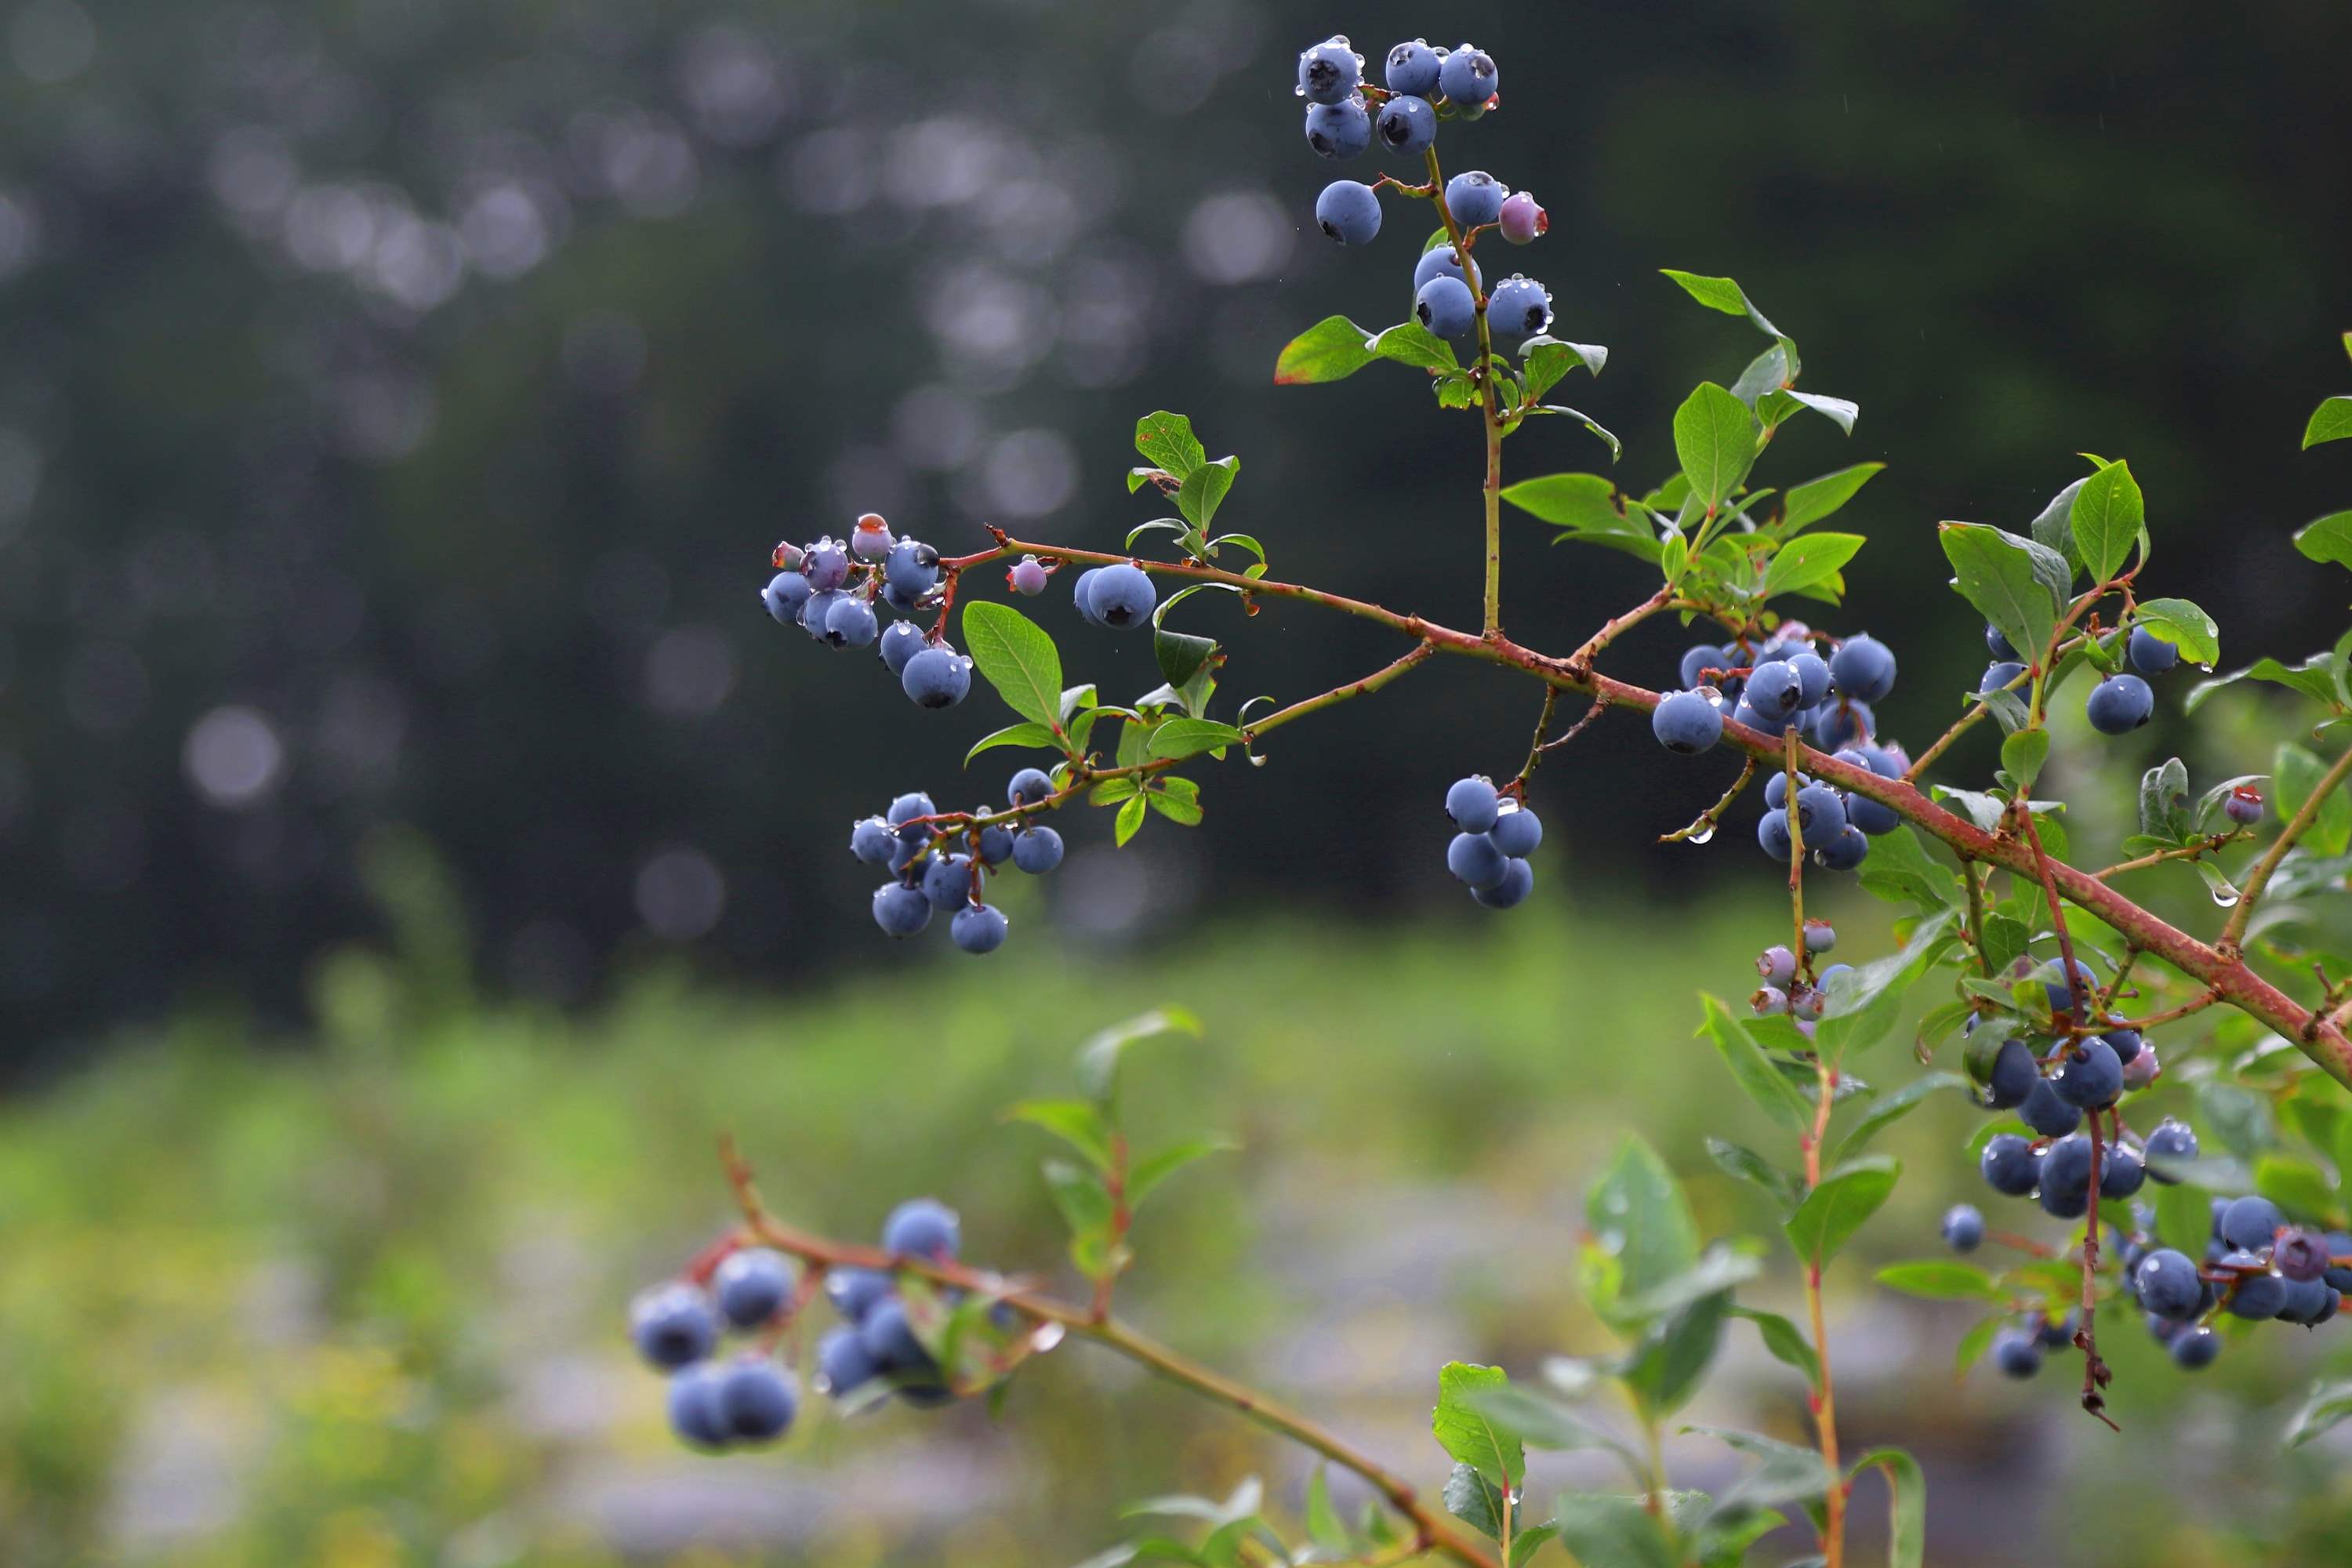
(2203, 1197)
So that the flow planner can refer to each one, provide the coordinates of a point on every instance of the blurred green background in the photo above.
(415, 842)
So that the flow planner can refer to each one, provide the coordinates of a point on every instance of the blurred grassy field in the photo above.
(356, 1299)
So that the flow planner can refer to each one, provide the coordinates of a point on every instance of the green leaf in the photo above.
(1099, 1058)
(2296, 774)
(1181, 655)
(1410, 342)
(1027, 733)
(1018, 658)
(2023, 753)
(1866, 1005)
(1714, 440)
(1898, 868)
(1751, 1070)
(1183, 809)
(1475, 1500)
(1607, 437)
(1722, 294)
(1587, 506)
(1079, 1194)
(2163, 793)
(1203, 491)
(1778, 406)
(1468, 1433)
(1549, 359)
(1191, 737)
(1638, 1212)
(2328, 539)
(1748, 1165)
(1906, 1545)
(2053, 529)
(1785, 1342)
(2014, 583)
(2298, 1186)
(1167, 442)
(1331, 350)
(1889, 1108)
(2331, 421)
(1077, 1122)
(1325, 1528)
(1834, 1211)
(1802, 563)
(1816, 498)
(1545, 1421)
(2315, 678)
(1941, 1279)
(2328, 1406)
(1150, 1171)
(1602, 1529)
(1667, 1367)
(2107, 518)
(1129, 818)
(2185, 625)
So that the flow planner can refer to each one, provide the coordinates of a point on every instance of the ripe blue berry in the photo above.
(1407, 125)
(1812, 676)
(995, 844)
(1998, 674)
(2017, 1353)
(1413, 67)
(1348, 211)
(1963, 1227)
(2300, 1254)
(947, 882)
(855, 1293)
(1026, 577)
(891, 1340)
(1122, 596)
(1696, 662)
(902, 640)
(1441, 262)
(2250, 1222)
(1516, 831)
(912, 568)
(694, 1413)
(758, 1400)
(2193, 1349)
(2168, 1284)
(1772, 835)
(1777, 965)
(2014, 1074)
(1820, 936)
(1445, 307)
(1522, 220)
(1037, 850)
(907, 807)
(1339, 129)
(937, 677)
(785, 594)
(850, 623)
(2171, 1144)
(2255, 1296)
(2092, 1076)
(842, 1364)
(1828, 977)
(1519, 882)
(1997, 643)
(1081, 590)
(1475, 197)
(1838, 724)
(2048, 1112)
(1520, 308)
(2125, 1043)
(751, 1286)
(1845, 851)
(2120, 704)
(1473, 804)
(2243, 806)
(1029, 786)
(828, 565)
(2120, 1172)
(2150, 653)
(899, 909)
(1468, 78)
(1776, 786)
(1864, 668)
(978, 928)
(923, 1227)
(1687, 723)
(1821, 812)
(1329, 71)
(2067, 1167)
(871, 841)
(673, 1326)
(816, 609)
(1472, 857)
(1774, 689)
(2009, 1165)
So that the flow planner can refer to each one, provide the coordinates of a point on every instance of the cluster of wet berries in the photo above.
(1425, 85)
(1784, 685)
(2119, 703)
(749, 1399)
(1498, 832)
(929, 874)
(1791, 983)
(828, 589)
(2255, 1265)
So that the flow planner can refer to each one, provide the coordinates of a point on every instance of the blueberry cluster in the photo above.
(1424, 86)
(930, 873)
(1781, 685)
(1498, 832)
(828, 589)
(874, 1340)
(2255, 1265)
(2120, 702)
(1791, 984)
(2018, 1349)
(748, 1399)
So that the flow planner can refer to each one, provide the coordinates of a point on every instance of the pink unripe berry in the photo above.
(1521, 219)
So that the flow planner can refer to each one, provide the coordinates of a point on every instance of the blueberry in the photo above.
(1516, 831)
(1845, 851)
(1029, 786)
(907, 808)
(2047, 1113)
(905, 603)
(1472, 857)
(1873, 817)
(937, 677)
(2092, 1077)
(2013, 1076)
(902, 640)
(1522, 220)
(1776, 786)
(1809, 1003)
(1026, 577)
(2017, 1353)
(785, 594)
(673, 1326)
(1820, 936)
(1347, 211)
(891, 1340)
(2150, 653)
(1963, 1227)
(850, 623)
(1413, 67)
(1822, 981)
(842, 1364)
(2171, 1144)
(1768, 1000)
(1519, 882)
(1997, 644)
(855, 1293)
(1772, 835)
(2125, 1043)
(828, 565)
(758, 1400)
(1329, 71)
(2120, 704)
(2193, 1349)
(2009, 1165)
(1037, 850)
(899, 909)
(1687, 721)
(752, 1286)
(1520, 308)
(1841, 723)
(1081, 590)
(1697, 662)
(1467, 77)
(1122, 596)
(2060, 1204)
(1445, 307)
(1441, 262)
(1864, 668)
(923, 1227)
(1474, 196)
(2141, 1070)
(912, 568)
(2258, 1296)
(978, 928)
(1407, 125)
(817, 609)
(695, 1412)
(995, 844)
(2167, 1284)
(1998, 674)
(1339, 129)
(1820, 812)
(872, 841)
(1777, 965)
(1472, 804)
(2300, 1254)
(2120, 1172)
(2055, 1334)
(947, 882)
(870, 540)
(2250, 1223)
(2243, 806)
(1774, 689)
(2067, 1167)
